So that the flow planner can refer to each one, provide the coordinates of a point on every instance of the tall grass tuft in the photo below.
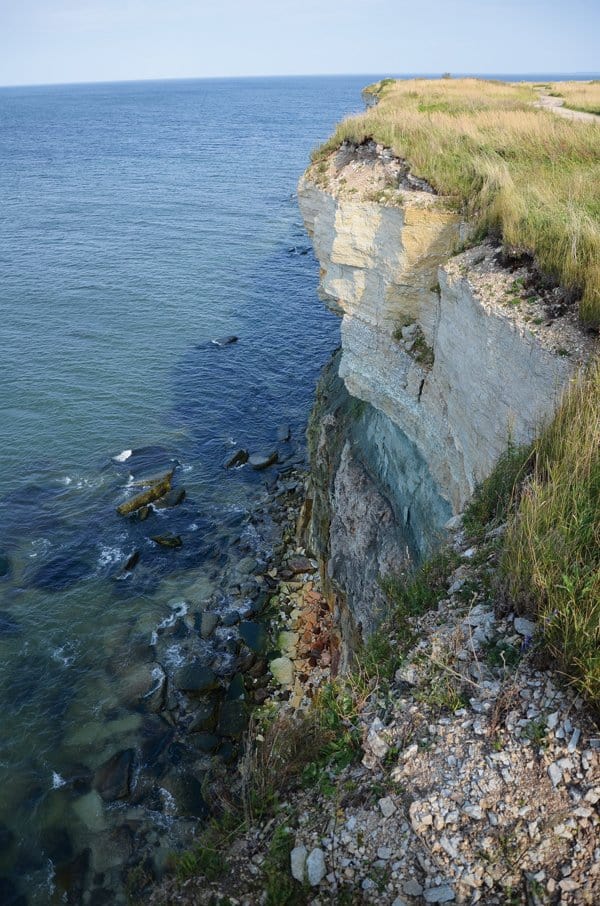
(552, 550)
(511, 167)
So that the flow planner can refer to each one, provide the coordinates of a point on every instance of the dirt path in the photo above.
(556, 105)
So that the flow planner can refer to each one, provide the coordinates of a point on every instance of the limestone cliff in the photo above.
(450, 355)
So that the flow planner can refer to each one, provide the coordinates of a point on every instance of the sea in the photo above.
(140, 223)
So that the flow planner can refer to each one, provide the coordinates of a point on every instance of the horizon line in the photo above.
(583, 75)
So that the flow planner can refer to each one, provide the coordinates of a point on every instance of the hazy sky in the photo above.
(94, 40)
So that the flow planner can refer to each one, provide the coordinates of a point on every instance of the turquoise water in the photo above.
(140, 221)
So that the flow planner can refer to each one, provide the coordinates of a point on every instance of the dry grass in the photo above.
(552, 548)
(579, 95)
(511, 168)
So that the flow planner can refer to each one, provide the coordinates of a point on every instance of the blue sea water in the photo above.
(139, 222)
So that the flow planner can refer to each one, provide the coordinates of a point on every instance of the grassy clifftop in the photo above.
(512, 168)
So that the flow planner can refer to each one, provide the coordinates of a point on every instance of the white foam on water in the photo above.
(187, 468)
(179, 609)
(122, 457)
(40, 547)
(193, 527)
(59, 655)
(158, 675)
(57, 781)
(154, 638)
(175, 657)
(109, 556)
(169, 804)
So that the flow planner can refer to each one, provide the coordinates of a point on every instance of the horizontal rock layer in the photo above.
(440, 350)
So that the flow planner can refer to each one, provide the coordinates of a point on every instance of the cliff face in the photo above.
(450, 355)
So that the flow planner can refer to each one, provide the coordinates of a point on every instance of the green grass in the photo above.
(491, 501)
(512, 169)
(551, 558)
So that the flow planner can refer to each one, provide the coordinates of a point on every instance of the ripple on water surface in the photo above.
(141, 222)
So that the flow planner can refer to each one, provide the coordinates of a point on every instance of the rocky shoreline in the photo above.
(476, 777)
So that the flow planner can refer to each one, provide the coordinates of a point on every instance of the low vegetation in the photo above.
(513, 169)
(552, 549)
(579, 95)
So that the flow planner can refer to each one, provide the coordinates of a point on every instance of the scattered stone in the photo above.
(443, 894)
(298, 858)
(524, 627)
(387, 806)
(554, 773)
(315, 867)
(208, 623)
(282, 670)
(299, 565)
(412, 888)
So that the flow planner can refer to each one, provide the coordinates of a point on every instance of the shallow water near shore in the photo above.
(141, 221)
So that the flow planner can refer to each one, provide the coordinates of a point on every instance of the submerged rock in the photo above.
(167, 540)
(283, 433)
(235, 458)
(225, 341)
(205, 718)
(131, 562)
(254, 635)
(158, 488)
(260, 461)
(207, 623)
(233, 719)
(196, 678)
(172, 498)
(113, 778)
(187, 793)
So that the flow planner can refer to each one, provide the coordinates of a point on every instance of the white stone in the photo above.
(386, 806)
(315, 867)
(555, 774)
(524, 627)
(282, 670)
(298, 862)
(443, 894)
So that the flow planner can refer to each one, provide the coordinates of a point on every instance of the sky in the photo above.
(50, 41)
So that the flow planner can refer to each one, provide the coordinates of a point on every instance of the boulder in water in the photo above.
(254, 635)
(225, 341)
(261, 461)
(158, 488)
(172, 498)
(167, 540)
(131, 562)
(195, 678)
(113, 778)
(283, 433)
(235, 458)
